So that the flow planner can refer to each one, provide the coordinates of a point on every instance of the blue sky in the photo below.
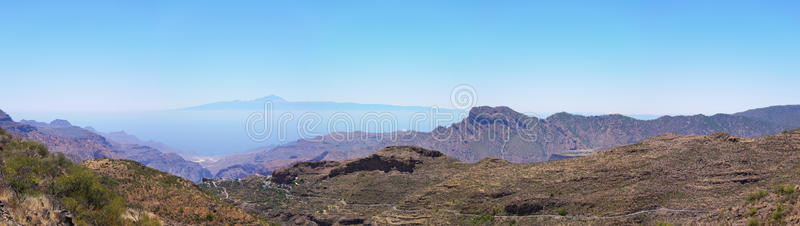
(635, 57)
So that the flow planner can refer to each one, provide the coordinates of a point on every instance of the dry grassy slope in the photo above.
(710, 174)
(170, 197)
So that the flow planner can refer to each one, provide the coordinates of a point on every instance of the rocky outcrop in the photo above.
(394, 158)
(32, 210)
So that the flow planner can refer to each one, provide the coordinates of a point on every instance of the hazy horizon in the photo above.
(629, 58)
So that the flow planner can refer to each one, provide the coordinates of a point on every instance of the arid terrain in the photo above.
(676, 179)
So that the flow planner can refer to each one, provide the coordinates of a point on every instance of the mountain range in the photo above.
(486, 132)
(79, 144)
(495, 167)
(278, 103)
(504, 133)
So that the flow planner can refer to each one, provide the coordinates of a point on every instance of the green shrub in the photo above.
(663, 224)
(779, 213)
(756, 196)
(786, 190)
(29, 168)
(27, 148)
(562, 211)
(145, 220)
(752, 211)
(92, 200)
(753, 222)
(21, 173)
(483, 219)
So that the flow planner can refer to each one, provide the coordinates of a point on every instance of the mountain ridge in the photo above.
(80, 144)
(507, 134)
(282, 104)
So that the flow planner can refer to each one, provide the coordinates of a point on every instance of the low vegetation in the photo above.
(31, 171)
(167, 196)
(756, 196)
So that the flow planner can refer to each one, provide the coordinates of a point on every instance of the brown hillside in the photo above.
(668, 178)
(170, 197)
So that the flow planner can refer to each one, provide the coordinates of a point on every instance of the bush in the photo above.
(562, 211)
(752, 211)
(483, 219)
(21, 173)
(27, 148)
(779, 213)
(90, 198)
(29, 168)
(145, 220)
(786, 190)
(753, 222)
(756, 196)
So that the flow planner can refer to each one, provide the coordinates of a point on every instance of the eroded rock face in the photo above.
(393, 158)
(287, 175)
(376, 162)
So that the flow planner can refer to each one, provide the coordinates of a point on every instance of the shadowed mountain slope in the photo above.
(781, 115)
